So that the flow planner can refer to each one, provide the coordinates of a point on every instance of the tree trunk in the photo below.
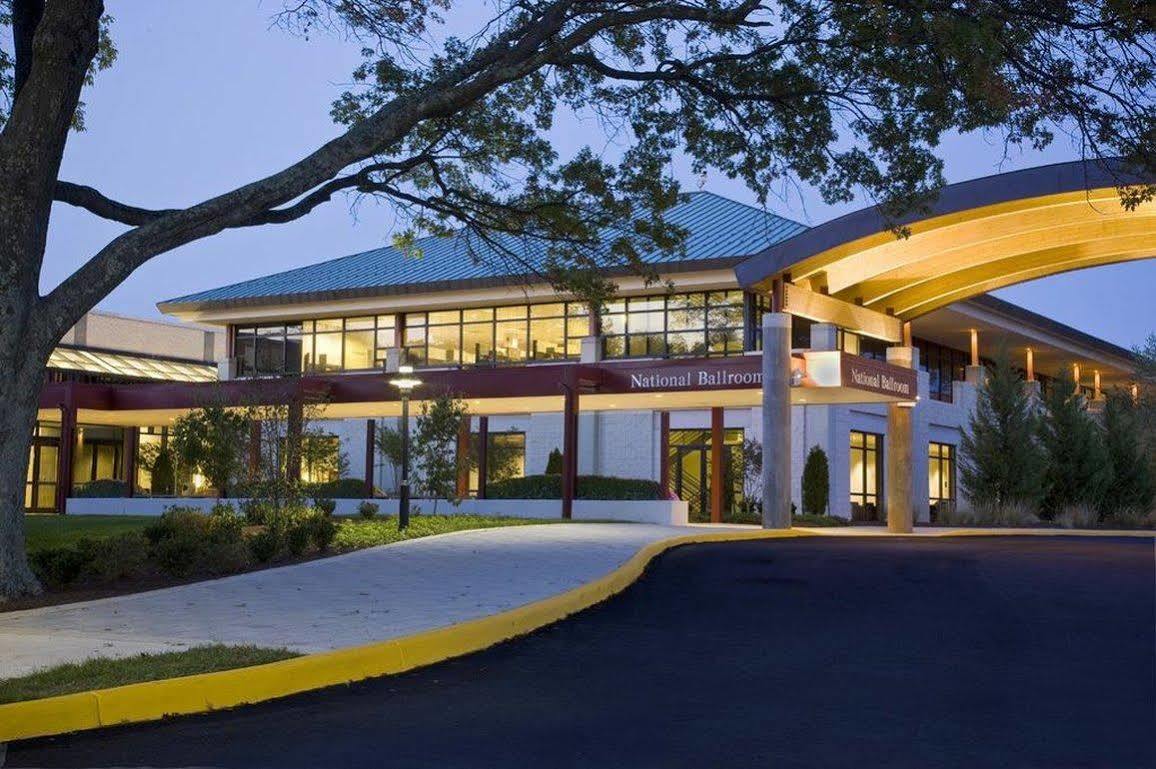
(19, 394)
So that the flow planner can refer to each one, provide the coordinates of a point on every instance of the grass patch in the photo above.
(818, 521)
(45, 531)
(356, 534)
(106, 673)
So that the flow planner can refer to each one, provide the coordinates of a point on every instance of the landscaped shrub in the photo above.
(225, 526)
(102, 488)
(554, 463)
(298, 536)
(164, 475)
(117, 557)
(818, 521)
(257, 511)
(589, 487)
(816, 482)
(342, 488)
(223, 508)
(1129, 518)
(58, 566)
(368, 509)
(1078, 516)
(326, 506)
(322, 530)
(185, 541)
(263, 546)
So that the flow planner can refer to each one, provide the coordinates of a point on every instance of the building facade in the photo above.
(690, 406)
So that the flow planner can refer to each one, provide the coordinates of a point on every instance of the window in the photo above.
(505, 457)
(940, 475)
(866, 476)
(321, 458)
(326, 344)
(944, 365)
(698, 324)
(492, 335)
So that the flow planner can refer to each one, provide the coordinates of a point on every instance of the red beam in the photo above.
(716, 464)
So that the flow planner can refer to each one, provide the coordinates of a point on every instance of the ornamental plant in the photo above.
(816, 482)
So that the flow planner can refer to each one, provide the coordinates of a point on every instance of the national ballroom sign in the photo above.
(695, 379)
(865, 374)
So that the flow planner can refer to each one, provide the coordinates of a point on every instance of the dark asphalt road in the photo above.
(962, 652)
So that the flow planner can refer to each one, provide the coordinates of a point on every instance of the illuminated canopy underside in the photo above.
(984, 235)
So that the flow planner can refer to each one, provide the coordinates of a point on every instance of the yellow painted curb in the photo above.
(201, 693)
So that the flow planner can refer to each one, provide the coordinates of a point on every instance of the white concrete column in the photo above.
(824, 336)
(591, 351)
(776, 420)
(899, 450)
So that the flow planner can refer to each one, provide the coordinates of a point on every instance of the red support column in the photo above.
(370, 446)
(64, 455)
(130, 449)
(664, 450)
(483, 454)
(716, 464)
(569, 446)
(463, 458)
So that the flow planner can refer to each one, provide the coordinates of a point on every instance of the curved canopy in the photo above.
(980, 235)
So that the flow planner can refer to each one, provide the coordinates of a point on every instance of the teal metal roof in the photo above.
(718, 228)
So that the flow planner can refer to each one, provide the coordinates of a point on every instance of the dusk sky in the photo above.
(208, 95)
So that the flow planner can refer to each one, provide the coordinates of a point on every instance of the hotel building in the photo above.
(877, 343)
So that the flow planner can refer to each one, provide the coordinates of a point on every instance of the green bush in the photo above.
(368, 509)
(554, 463)
(322, 530)
(185, 541)
(112, 558)
(816, 482)
(589, 487)
(164, 475)
(223, 508)
(263, 546)
(59, 566)
(102, 488)
(257, 511)
(342, 488)
(298, 535)
(225, 526)
(326, 506)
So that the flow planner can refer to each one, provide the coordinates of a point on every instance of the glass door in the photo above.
(40, 485)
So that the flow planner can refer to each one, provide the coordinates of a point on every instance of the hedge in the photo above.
(343, 488)
(102, 488)
(589, 487)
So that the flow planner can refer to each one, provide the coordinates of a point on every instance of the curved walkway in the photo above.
(369, 595)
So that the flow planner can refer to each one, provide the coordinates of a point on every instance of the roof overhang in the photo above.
(979, 236)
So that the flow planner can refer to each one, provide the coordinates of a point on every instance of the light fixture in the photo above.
(797, 377)
(405, 383)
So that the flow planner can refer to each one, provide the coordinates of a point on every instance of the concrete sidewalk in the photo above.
(369, 595)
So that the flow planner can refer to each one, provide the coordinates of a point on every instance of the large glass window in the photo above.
(505, 457)
(697, 324)
(491, 335)
(866, 476)
(326, 344)
(944, 365)
(940, 476)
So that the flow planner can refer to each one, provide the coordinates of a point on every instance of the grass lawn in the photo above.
(356, 533)
(105, 673)
(44, 531)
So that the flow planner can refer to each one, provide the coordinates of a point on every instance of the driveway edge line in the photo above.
(205, 692)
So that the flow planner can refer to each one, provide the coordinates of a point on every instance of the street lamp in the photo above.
(404, 382)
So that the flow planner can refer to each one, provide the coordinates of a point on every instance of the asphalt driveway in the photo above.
(818, 652)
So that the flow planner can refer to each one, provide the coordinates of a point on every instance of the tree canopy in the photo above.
(454, 130)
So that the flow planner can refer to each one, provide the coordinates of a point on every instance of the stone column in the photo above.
(899, 449)
(776, 420)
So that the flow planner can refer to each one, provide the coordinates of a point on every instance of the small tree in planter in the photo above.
(752, 476)
(436, 430)
(816, 482)
(388, 442)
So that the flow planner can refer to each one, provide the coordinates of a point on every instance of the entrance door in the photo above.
(40, 485)
(690, 472)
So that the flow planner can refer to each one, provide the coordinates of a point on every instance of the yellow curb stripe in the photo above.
(152, 700)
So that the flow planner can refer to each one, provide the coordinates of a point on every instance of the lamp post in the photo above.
(405, 382)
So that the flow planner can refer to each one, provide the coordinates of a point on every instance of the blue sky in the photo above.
(208, 95)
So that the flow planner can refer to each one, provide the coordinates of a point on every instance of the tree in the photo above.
(1001, 462)
(388, 442)
(212, 439)
(1146, 397)
(434, 458)
(1132, 487)
(847, 96)
(816, 482)
(752, 472)
(554, 462)
(1078, 471)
